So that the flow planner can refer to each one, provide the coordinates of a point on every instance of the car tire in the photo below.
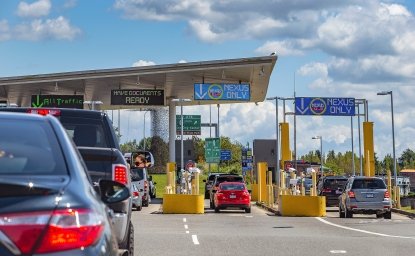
(217, 209)
(129, 242)
(248, 210)
(379, 215)
(212, 206)
(387, 215)
(348, 214)
(341, 213)
(139, 208)
(207, 196)
(145, 203)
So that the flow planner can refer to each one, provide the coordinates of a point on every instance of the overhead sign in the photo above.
(212, 150)
(237, 92)
(325, 106)
(191, 125)
(225, 155)
(137, 97)
(57, 101)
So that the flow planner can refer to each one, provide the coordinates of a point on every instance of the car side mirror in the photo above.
(150, 178)
(204, 180)
(113, 192)
(214, 190)
(250, 191)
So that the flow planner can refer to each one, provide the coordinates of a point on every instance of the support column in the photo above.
(172, 132)
(369, 150)
(285, 144)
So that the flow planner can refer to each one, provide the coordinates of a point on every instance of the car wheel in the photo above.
(387, 215)
(129, 243)
(341, 213)
(212, 206)
(348, 214)
(248, 210)
(379, 215)
(207, 196)
(145, 203)
(216, 209)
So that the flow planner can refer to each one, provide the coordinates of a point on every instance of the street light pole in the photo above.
(277, 140)
(144, 131)
(181, 129)
(321, 152)
(393, 135)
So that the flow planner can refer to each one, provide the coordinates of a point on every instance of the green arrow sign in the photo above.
(191, 125)
(212, 150)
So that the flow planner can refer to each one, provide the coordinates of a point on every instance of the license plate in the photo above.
(369, 195)
(232, 196)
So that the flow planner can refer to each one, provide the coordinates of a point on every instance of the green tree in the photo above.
(129, 146)
(160, 151)
(407, 159)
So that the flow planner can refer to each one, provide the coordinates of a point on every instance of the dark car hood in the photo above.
(20, 194)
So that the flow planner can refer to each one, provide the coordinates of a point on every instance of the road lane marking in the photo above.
(187, 231)
(184, 220)
(195, 241)
(186, 227)
(363, 231)
(337, 251)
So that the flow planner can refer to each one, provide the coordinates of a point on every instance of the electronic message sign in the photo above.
(324, 106)
(216, 91)
(137, 97)
(57, 101)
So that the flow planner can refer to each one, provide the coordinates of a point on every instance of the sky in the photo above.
(325, 48)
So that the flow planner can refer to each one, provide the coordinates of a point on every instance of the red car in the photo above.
(232, 195)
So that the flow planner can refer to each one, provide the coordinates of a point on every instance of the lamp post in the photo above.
(321, 151)
(181, 128)
(277, 151)
(393, 135)
(144, 131)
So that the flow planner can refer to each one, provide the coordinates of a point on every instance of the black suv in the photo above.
(208, 183)
(219, 178)
(331, 187)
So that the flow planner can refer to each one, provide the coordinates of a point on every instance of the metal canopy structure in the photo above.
(176, 80)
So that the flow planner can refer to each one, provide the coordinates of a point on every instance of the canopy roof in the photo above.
(177, 80)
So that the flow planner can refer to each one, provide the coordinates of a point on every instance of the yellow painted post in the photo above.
(262, 168)
(369, 149)
(171, 168)
(197, 183)
(398, 197)
(389, 183)
(285, 143)
(270, 190)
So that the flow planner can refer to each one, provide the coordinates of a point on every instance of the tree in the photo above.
(160, 151)
(129, 146)
(407, 159)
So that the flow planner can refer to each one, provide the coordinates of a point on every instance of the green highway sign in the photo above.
(212, 150)
(191, 124)
(57, 101)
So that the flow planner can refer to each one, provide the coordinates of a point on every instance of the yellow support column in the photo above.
(262, 168)
(313, 191)
(285, 143)
(389, 184)
(369, 150)
(171, 179)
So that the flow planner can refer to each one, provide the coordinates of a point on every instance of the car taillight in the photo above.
(327, 190)
(135, 193)
(220, 196)
(245, 195)
(44, 111)
(351, 194)
(387, 194)
(120, 173)
(67, 229)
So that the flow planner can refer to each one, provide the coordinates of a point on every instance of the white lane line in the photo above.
(187, 231)
(195, 241)
(186, 227)
(338, 251)
(363, 231)
(184, 220)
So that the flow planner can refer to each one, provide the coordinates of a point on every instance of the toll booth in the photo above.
(265, 151)
(188, 152)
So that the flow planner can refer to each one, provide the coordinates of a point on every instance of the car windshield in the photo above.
(334, 183)
(225, 186)
(368, 184)
(137, 174)
(29, 148)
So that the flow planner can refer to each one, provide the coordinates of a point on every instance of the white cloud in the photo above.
(141, 63)
(4, 30)
(70, 3)
(36, 9)
(182, 61)
(282, 48)
(59, 28)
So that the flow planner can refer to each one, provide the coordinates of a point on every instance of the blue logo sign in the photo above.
(225, 155)
(324, 106)
(237, 92)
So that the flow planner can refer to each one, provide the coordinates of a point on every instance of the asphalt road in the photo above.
(263, 233)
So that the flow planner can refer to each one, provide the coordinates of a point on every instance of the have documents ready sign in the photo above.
(234, 92)
(137, 97)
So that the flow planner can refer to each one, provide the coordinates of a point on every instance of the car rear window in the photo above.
(85, 132)
(30, 147)
(221, 179)
(137, 174)
(225, 186)
(334, 183)
(368, 184)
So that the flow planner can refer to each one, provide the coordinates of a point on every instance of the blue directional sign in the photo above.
(324, 106)
(246, 160)
(225, 155)
(237, 92)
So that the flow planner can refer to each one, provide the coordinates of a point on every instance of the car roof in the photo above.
(335, 177)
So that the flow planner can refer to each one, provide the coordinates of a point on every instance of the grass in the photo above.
(161, 180)
(407, 209)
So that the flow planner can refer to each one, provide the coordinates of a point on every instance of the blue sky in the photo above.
(345, 48)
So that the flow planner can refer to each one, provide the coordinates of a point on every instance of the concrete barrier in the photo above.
(302, 206)
(183, 203)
